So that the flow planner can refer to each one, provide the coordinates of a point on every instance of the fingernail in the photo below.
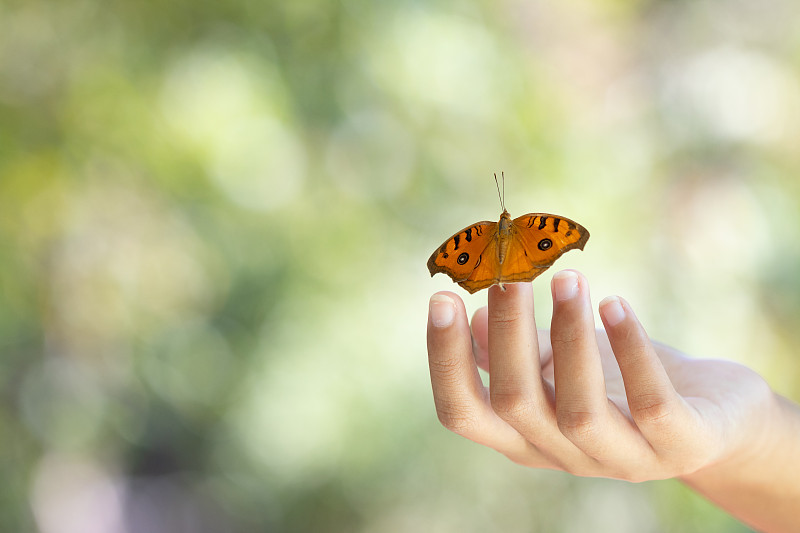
(565, 285)
(442, 310)
(612, 310)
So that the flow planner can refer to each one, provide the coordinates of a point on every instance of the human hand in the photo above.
(593, 403)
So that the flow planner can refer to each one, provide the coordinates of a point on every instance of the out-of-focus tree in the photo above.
(214, 218)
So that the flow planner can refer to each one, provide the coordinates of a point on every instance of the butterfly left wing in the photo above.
(466, 257)
(538, 239)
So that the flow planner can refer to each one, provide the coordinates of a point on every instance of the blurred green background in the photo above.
(215, 217)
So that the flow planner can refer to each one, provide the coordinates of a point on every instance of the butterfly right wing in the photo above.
(539, 239)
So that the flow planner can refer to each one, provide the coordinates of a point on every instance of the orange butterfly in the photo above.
(507, 251)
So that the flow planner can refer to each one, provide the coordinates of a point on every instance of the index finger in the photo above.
(462, 402)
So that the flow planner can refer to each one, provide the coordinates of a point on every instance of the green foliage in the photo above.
(214, 219)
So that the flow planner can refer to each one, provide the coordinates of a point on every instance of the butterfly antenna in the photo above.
(497, 184)
(503, 174)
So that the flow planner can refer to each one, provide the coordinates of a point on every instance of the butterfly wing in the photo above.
(487, 269)
(469, 257)
(537, 240)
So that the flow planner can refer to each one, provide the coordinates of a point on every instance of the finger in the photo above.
(480, 340)
(517, 393)
(480, 337)
(461, 400)
(515, 376)
(585, 415)
(659, 411)
(581, 401)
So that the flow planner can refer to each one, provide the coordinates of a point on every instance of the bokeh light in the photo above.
(215, 217)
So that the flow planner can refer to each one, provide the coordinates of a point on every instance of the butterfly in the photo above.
(508, 251)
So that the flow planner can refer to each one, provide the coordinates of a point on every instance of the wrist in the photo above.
(750, 444)
(757, 483)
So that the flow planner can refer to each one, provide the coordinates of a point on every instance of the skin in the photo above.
(611, 402)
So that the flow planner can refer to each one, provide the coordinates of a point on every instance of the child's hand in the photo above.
(593, 403)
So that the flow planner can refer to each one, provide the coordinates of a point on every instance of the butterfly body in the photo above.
(510, 250)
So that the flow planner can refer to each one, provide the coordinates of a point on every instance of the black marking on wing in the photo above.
(456, 239)
(478, 231)
(542, 222)
(556, 222)
(468, 235)
(531, 221)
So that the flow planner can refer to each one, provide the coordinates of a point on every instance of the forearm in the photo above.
(762, 486)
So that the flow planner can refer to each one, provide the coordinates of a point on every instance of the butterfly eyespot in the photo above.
(463, 258)
(545, 244)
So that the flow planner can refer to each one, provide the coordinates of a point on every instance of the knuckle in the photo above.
(652, 409)
(446, 370)
(454, 408)
(512, 406)
(634, 348)
(579, 425)
(566, 335)
(459, 419)
(505, 318)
